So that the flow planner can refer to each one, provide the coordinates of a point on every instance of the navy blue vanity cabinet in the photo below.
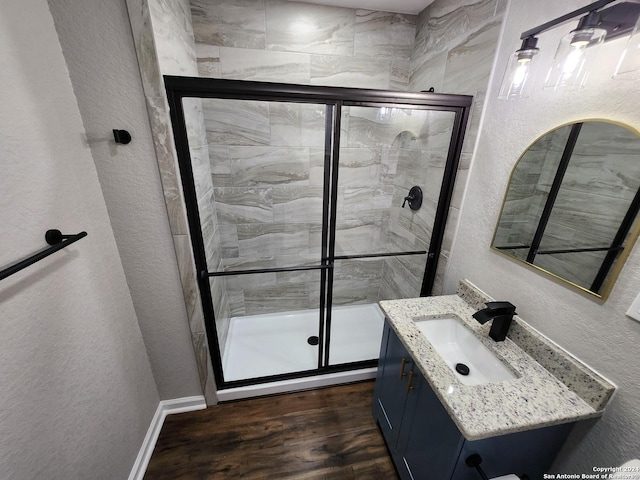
(422, 439)
(426, 444)
(390, 394)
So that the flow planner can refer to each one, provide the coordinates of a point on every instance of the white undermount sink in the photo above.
(456, 344)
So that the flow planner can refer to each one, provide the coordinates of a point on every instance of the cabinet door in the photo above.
(531, 452)
(391, 384)
(429, 440)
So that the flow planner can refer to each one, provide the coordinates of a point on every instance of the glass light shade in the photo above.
(514, 82)
(573, 59)
(629, 64)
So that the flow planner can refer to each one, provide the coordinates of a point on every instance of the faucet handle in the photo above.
(507, 306)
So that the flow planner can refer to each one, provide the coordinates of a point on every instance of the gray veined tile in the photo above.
(213, 251)
(400, 74)
(400, 239)
(474, 53)
(143, 37)
(427, 71)
(384, 34)
(398, 281)
(268, 240)
(418, 222)
(236, 122)
(220, 166)
(243, 205)
(414, 169)
(359, 167)
(201, 170)
(297, 124)
(164, 148)
(451, 19)
(351, 292)
(382, 127)
(208, 58)
(251, 280)
(229, 23)
(276, 298)
(360, 269)
(359, 236)
(194, 122)
(179, 10)
(182, 245)
(367, 203)
(602, 138)
(316, 166)
(174, 38)
(229, 243)
(207, 220)
(236, 303)
(310, 278)
(355, 72)
(267, 166)
(265, 65)
(293, 205)
(435, 134)
(309, 28)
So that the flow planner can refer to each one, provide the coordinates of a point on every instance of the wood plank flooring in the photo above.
(326, 434)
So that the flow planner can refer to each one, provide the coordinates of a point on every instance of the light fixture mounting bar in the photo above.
(564, 18)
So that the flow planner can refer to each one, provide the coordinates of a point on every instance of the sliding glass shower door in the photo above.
(381, 239)
(304, 213)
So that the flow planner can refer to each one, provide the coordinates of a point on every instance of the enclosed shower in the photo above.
(306, 206)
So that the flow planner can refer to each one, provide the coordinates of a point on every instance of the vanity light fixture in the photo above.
(518, 69)
(571, 63)
(629, 64)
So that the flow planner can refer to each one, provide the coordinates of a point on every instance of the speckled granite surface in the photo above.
(552, 387)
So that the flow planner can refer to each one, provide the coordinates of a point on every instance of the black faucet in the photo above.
(501, 313)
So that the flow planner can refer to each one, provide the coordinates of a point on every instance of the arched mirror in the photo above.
(571, 205)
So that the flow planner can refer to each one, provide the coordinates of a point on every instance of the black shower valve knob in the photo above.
(414, 198)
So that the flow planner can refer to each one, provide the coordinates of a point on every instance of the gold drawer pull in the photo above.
(404, 363)
(409, 386)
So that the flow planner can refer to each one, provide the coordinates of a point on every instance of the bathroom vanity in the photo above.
(433, 422)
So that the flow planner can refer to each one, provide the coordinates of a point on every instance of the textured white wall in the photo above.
(76, 389)
(98, 48)
(598, 333)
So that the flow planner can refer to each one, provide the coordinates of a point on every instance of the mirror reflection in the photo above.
(571, 205)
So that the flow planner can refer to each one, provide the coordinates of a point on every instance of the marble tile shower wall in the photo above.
(454, 48)
(267, 169)
(163, 39)
(291, 42)
(275, 171)
(379, 55)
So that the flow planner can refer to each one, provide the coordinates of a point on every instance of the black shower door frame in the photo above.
(334, 98)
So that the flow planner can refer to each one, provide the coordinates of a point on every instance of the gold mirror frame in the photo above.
(634, 225)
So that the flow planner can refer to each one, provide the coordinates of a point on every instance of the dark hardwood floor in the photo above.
(319, 434)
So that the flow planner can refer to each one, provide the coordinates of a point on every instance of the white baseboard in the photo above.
(165, 407)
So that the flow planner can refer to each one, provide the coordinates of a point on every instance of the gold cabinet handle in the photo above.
(402, 365)
(409, 386)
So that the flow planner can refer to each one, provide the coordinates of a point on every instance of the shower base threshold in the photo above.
(273, 344)
(296, 385)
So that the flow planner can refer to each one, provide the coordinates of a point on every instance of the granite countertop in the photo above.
(552, 387)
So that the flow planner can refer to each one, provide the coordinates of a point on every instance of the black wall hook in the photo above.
(121, 136)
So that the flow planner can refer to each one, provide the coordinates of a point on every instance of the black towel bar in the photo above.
(57, 240)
